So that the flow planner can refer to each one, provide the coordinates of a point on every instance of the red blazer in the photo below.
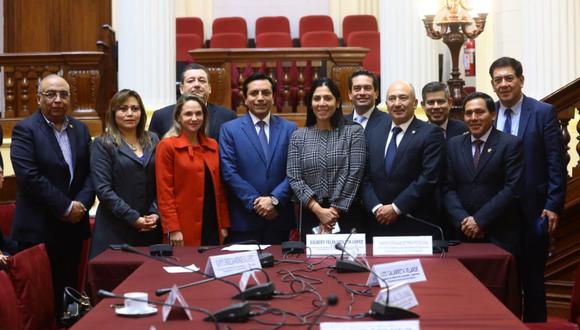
(180, 186)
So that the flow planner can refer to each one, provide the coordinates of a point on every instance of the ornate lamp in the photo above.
(455, 25)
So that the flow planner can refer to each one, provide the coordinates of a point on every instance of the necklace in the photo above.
(131, 145)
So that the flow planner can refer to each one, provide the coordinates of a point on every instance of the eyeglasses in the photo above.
(51, 95)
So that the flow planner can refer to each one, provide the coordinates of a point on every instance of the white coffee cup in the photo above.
(134, 306)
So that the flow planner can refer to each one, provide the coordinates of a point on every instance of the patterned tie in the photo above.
(361, 119)
(477, 154)
(392, 150)
(263, 138)
(507, 126)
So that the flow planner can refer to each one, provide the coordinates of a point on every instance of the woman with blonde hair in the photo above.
(123, 172)
(192, 201)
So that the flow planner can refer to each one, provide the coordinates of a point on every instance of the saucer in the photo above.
(123, 311)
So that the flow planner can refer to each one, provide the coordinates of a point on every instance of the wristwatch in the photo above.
(275, 201)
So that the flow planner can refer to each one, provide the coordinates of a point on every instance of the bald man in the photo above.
(405, 157)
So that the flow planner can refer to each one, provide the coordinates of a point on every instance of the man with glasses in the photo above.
(50, 156)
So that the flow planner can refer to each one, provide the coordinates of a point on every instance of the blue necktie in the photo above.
(263, 138)
(392, 150)
(507, 126)
(361, 119)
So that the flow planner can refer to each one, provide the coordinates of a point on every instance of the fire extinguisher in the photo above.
(469, 58)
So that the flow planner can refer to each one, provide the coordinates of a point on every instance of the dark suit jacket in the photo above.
(248, 175)
(545, 184)
(163, 119)
(413, 181)
(125, 186)
(491, 193)
(455, 127)
(43, 177)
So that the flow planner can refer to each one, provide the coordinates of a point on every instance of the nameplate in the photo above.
(402, 245)
(374, 325)
(323, 244)
(233, 263)
(400, 295)
(409, 271)
(175, 296)
(245, 278)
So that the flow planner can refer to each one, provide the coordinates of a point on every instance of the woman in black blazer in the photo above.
(123, 172)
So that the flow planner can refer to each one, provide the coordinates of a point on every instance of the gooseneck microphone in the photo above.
(382, 311)
(438, 245)
(345, 265)
(332, 300)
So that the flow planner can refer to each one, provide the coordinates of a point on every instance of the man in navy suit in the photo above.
(50, 156)
(363, 91)
(484, 179)
(437, 103)
(545, 185)
(405, 157)
(194, 80)
(253, 152)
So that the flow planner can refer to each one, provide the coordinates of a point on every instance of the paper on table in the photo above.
(245, 247)
(172, 270)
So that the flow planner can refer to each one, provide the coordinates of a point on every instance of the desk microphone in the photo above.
(266, 258)
(262, 291)
(345, 265)
(382, 311)
(332, 300)
(438, 245)
(295, 247)
(211, 317)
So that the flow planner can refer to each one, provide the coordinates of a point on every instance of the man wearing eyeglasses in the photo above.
(50, 156)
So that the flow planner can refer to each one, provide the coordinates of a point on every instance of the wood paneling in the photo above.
(56, 25)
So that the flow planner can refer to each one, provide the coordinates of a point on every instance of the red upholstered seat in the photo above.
(273, 40)
(319, 39)
(9, 311)
(189, 25)
(230, 25)
(6, 214)
(354, 23)
(268, 24)
(228, 40)
(372, 41)
(184, 43)
(315, 23)
(31, 277)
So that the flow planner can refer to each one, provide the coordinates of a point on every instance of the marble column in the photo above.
(146, 35)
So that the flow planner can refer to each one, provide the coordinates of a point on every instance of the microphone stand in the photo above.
(348, 266)
(438, 245)
(295, 247)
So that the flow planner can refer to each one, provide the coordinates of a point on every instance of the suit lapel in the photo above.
(488, 150)
(49, 133)
(250, 131)
(405, 142)
(74, 148)
(126, 150)
(524, 117)
(274, 136)
(212, 123)
(467, 155)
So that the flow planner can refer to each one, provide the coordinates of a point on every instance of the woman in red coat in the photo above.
(192, 202)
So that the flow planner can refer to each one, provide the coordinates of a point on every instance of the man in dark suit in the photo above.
(437, 103)
(50, 156)
(484, 179)
(363, 91)
(404, 161)
(253, 152)
(194, 80)
(545, 185)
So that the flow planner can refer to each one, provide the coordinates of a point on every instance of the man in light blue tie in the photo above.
(363, 92)
(543, 201)
(253, 152)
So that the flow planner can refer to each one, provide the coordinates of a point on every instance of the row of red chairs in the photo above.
(274, 32)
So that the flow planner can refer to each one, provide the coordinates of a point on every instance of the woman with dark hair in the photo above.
(326, 161)
(192, 200)
(123, 172)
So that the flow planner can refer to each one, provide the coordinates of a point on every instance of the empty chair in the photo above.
(184, 43)
(354, 23)
(30, 274)
(6, 215)
(10, 312)
(230, 25)
(269, 24)
(372, 41)
(273, 40)
(228, 40)
(319, 39)
(189, 25)
(315, 23)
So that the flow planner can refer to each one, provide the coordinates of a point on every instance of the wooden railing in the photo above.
(293, 69)
(92, 77)
(565, 251)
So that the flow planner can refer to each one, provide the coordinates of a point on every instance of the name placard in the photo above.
(409, 271)
(402, 245)
(374, 325)
(233, 263)
(323, 244)
(400, 295)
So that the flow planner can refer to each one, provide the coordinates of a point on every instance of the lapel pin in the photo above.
(488, 150)
(70, 125)
(412, 132)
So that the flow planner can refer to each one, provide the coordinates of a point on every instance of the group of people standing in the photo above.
(203, 176)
